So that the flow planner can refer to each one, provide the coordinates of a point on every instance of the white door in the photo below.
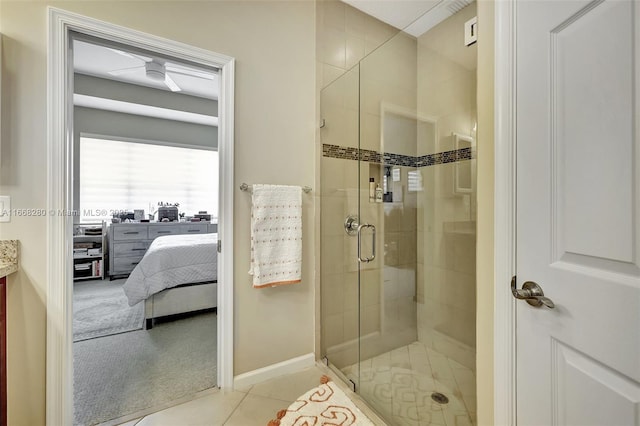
(578, 207)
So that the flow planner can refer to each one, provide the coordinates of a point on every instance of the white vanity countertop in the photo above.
(8, 257)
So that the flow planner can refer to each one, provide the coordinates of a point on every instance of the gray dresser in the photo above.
(128, 242)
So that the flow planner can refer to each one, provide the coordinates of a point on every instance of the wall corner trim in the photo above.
(505, 407)
(260, 375)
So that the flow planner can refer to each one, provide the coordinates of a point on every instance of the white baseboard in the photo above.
(289, 366)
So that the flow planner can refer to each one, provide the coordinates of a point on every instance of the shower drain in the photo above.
(439, 398)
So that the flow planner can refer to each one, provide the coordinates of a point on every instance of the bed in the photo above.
(178, 274)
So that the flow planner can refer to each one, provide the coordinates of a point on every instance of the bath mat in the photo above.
(100, 308)
(325, 405)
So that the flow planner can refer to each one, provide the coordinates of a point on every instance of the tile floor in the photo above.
(253, 406)
(399, 385)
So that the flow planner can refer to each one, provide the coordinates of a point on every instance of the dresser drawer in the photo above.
(125, 264)
(212, 228)
(193, 229)
(130, 249)
(133, 232)
(160, 230)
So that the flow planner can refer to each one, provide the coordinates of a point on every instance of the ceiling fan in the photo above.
(158, 70)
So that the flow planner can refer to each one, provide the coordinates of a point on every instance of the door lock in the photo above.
(532, 293)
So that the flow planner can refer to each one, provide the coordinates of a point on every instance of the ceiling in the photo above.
(398, 13)
(101, 61)
(410, 15)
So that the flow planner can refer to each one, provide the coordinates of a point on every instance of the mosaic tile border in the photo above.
(388, 158)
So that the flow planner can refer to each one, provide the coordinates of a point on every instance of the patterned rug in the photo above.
(100, 308)
(325, 405)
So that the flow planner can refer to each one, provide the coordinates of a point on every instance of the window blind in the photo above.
(117, 175)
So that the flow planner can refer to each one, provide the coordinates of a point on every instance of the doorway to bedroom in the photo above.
(145, 226)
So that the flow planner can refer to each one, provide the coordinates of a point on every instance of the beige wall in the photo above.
(274, 44)
(485, 259)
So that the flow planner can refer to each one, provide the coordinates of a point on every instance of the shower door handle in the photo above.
(373, 254)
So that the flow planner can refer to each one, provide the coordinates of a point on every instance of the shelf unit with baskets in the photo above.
(89, 251)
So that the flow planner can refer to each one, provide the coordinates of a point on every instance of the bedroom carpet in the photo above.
(124, 373)
(100, 308)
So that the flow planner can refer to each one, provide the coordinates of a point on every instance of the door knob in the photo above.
(351, 225)
(532, 293)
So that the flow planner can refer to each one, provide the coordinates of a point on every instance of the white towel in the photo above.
(276, 235)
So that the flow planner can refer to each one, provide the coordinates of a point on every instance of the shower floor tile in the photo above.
(399, 384)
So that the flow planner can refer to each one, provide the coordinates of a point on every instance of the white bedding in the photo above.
(173, 260)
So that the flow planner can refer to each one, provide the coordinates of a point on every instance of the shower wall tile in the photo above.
(345, 35)
(393, 215)
(391, 249)
(409, 217)
(351, 323)
(332, 217)
(334, 15)
(332, 293)
(356, 22)
(464, 253)
(350, 260)
(351, 292)
(370, 319)
(390, 290)
(371, 287)
(444, 180)
(463, 354)
(420, 247)
(446, 88)
(341, 127)
(330, 73)
(378, 32)
(332, 251)
(420, 287)
(407, 248)
(333, 331)
(391, 317)
(407, 283)
(400, 134)
(370, 132)
(333, 47)
(354, 50)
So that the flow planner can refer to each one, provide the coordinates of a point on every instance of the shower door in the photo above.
(369, 221)
(340, 275)
(398, 221)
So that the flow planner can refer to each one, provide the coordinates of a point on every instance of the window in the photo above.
(116, 176)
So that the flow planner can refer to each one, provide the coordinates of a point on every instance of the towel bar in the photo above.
(245, 187)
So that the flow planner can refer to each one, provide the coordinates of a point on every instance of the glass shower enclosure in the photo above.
(398, 226)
